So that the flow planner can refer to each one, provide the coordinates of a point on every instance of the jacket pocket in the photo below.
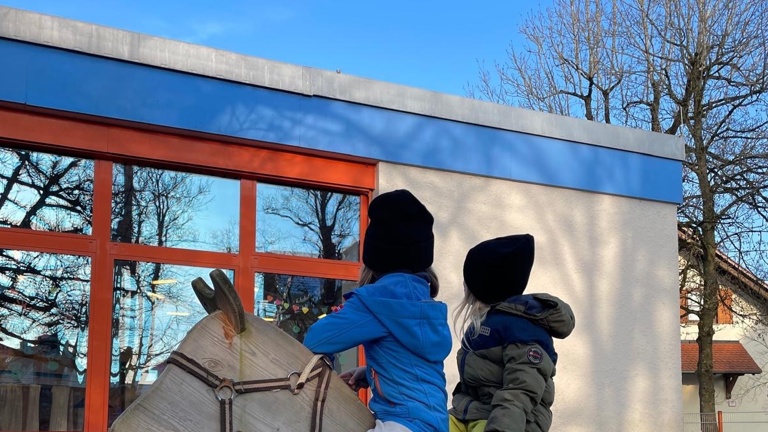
(378, 389)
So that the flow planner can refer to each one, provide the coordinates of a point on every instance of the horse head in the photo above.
(234, 371)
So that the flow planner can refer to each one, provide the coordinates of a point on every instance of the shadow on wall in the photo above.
(613, 259)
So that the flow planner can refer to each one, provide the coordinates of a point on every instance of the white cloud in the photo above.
(202, 31)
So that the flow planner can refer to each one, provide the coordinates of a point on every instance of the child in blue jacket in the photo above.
(394, 316)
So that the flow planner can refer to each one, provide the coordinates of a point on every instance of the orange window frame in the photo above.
(107, 142)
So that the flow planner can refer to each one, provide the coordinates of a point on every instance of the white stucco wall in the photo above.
(613, 259)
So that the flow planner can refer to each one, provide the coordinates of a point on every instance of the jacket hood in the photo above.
(548, 311)
(401, 303)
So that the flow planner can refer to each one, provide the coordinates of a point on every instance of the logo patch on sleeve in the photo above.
(485, 331)
(535, 355)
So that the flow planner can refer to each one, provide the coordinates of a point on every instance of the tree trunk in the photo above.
(696, 69)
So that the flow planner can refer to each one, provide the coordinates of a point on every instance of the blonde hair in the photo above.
(469, 315)
(368, 276)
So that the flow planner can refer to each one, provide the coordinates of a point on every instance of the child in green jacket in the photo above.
(507, 357)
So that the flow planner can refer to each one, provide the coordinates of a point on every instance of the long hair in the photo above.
(368, 276)
(468, 316)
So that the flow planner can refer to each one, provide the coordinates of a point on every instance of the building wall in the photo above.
(599, 199)
(750, 394)
(612, 258)
(72, 66)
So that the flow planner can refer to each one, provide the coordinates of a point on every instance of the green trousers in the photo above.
(457, 425)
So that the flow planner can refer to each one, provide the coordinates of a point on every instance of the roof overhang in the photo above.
(730, 359)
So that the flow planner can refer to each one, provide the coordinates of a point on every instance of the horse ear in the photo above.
(204, 295)
(227, 300)
(221, 297)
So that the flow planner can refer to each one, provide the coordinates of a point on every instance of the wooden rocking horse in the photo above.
(235, 372)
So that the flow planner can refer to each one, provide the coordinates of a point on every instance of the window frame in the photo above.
(724, 314)
(107, 142)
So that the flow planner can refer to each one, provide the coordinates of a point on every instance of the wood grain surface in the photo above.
(177, 401)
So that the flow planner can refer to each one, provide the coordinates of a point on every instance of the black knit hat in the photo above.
(399, 234)
(497, 269)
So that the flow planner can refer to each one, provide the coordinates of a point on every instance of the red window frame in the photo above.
(109, 141)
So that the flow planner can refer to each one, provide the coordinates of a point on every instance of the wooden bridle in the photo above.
(225, 389)
(224, 298)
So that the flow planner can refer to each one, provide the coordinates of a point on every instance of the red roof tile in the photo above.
(729, 358)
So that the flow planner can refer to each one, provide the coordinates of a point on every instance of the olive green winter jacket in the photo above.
(506, 370)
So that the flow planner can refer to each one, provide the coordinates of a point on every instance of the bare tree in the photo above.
(45, 192)
(328, 222)
(44, 298)
(309, 222)
(326, 219)
(46, 295)
(157, 207)
(693, 68)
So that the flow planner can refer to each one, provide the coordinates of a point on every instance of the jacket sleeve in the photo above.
(351, 326)
(527, 368)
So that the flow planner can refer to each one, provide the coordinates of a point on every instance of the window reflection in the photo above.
(168, 208)
(154, 307)
(44, 306)
(294, 303)
(307, 222)
(45, 192)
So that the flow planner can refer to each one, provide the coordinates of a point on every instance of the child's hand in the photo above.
(355, 378)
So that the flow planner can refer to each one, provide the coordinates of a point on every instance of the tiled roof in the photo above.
(729, 358)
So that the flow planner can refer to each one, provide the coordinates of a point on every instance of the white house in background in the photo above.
(741, 341)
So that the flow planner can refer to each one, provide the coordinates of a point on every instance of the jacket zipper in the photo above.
(466, 409)
(463, 361)
(375, 377)
(463, 387)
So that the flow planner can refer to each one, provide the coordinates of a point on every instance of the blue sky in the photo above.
(434, 45)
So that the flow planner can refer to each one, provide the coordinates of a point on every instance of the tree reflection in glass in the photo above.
(44, 310)
(307, 222)
(154, 308)
(45, 192)
(168, 208)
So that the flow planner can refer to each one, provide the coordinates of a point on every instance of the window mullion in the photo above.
(244, 275)
(303, 266)
(100, 320)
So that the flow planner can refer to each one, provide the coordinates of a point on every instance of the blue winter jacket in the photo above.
(406, 338)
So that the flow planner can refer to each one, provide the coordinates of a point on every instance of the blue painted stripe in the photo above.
(69, 81)
(13, 72)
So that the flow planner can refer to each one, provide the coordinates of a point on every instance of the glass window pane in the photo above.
(307, 222)
(154, 307)
(168, 208)
(44, 306)
(294, 303)
(45, 192)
